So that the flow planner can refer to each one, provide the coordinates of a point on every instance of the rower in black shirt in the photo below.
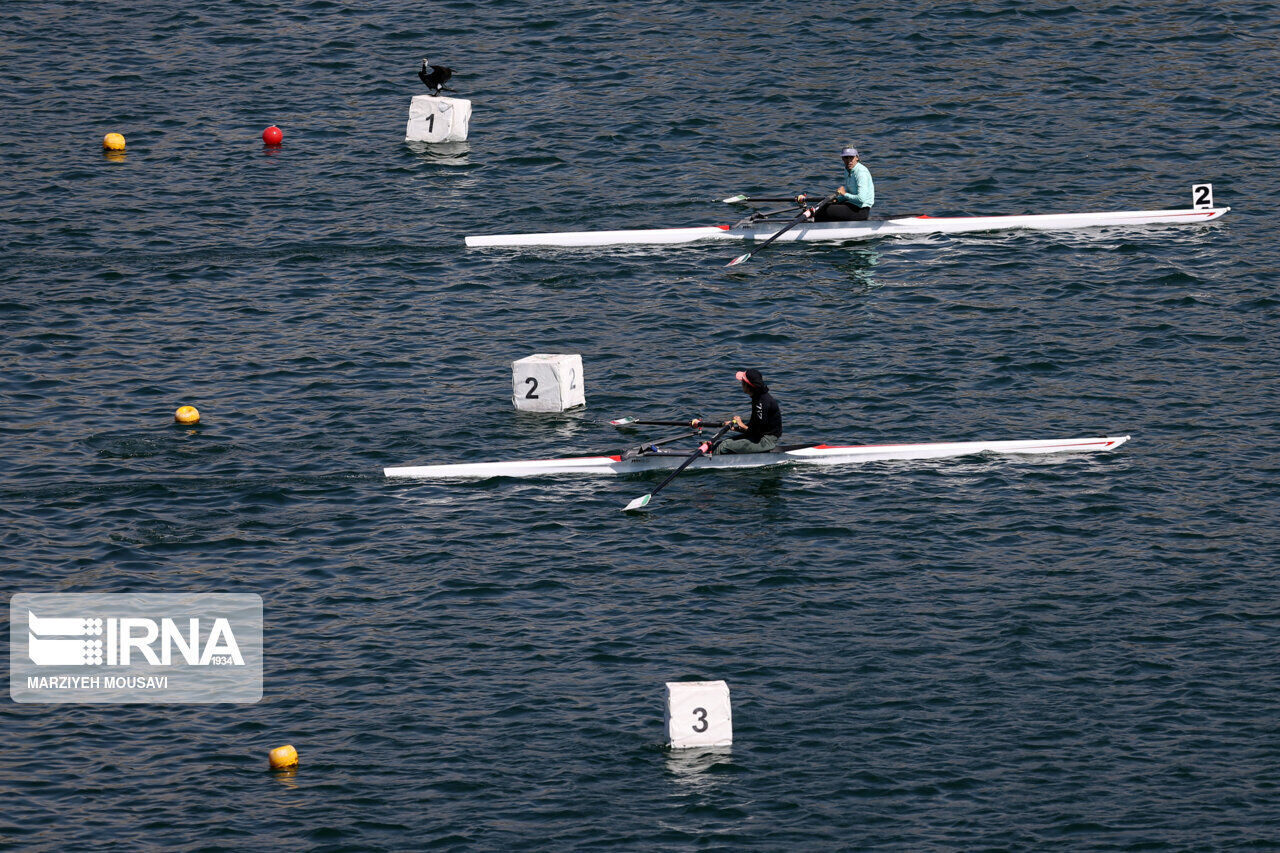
(762, 432)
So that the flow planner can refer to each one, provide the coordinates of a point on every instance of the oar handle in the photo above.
(703, 447)
(710, 443)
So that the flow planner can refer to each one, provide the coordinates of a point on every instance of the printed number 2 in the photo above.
(532, 382)
(702, 718)
(573, 379)
(1202, 196)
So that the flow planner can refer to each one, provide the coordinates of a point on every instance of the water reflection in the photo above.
(769, 485)
(441, 153)
(565, 425)
(858, 267)
(699, 770)
(286, 777)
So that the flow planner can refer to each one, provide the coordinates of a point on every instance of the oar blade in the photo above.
(639, 503)
(738, 260)
(622, 422)
(734, 199)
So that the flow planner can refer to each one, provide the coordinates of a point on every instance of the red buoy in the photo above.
(272, 136)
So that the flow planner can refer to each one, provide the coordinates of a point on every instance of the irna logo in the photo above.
(126, 641)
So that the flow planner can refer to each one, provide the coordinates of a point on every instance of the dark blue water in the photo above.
(985, 653)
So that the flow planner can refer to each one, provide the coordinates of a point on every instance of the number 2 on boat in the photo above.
(1202, 196)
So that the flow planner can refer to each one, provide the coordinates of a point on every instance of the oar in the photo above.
(807, 213)
(762, 215)
(705, 447)
(626, 422)
(649, 446)
(743, 199)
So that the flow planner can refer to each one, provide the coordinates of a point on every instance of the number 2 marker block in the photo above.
(547, 382)
(698, 714)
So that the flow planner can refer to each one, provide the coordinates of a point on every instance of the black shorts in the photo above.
(838, 211)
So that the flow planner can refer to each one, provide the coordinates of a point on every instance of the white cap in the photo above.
(849, 151)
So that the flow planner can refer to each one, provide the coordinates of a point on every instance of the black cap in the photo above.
(753, 378)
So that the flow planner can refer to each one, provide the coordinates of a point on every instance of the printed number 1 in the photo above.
(431, 122)
(702, 718)
(532, 382)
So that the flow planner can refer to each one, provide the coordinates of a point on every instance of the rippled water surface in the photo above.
(984, 653)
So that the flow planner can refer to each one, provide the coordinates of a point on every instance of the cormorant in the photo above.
(435, 77)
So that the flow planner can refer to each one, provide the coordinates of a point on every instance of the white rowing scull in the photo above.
(750, 231)
(645, 459)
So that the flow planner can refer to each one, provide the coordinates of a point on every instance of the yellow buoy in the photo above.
(187, 415)
(113, 142)
(284, 757)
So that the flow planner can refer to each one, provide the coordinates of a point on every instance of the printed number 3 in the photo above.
(532, 382)
(702, 718)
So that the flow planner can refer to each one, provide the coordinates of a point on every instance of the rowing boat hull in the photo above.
(901, 226)
(820, 454)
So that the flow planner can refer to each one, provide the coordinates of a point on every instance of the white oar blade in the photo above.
(738, 260)
(734, 199)
(622, 422)
(638, 503)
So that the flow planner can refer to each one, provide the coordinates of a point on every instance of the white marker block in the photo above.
(1201, 196)
(698, 714)
(433, 119)
(548, 382)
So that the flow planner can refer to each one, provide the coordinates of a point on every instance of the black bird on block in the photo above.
(435, 77)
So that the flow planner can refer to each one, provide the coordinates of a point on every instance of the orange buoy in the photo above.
(113, 142)
(187, 415)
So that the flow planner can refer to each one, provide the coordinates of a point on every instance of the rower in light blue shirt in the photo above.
(856, 195)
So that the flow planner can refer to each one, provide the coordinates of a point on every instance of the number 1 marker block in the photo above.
(548, 382)
(434, 119)
(698, 714)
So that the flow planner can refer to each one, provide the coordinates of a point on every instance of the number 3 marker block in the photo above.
(698, 714)
(547, 382)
